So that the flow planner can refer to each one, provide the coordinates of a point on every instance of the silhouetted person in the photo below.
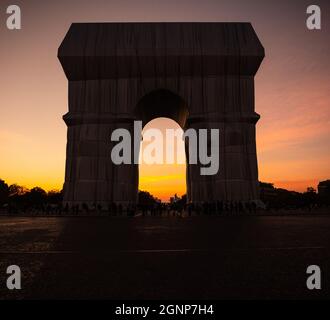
(66, 208)
(248, 207)
(254, 207)
(114, 209)
(240, 207)
(189, 209)
(85, 208)
(120, 209)
(99, 208)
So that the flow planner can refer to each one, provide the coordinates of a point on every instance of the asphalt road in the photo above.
(165, 257)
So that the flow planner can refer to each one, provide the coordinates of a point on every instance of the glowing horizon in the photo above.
(158, 179)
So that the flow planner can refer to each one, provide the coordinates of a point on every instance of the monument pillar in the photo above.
(91, 177)
(233, 114)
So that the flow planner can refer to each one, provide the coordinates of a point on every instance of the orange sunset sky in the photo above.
(292, 88)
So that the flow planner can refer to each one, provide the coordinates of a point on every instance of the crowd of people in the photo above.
(15, 199)
(151, 209)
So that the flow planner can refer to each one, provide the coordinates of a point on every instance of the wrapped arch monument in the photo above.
(199, 74)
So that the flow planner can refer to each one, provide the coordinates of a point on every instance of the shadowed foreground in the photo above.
(165, 258)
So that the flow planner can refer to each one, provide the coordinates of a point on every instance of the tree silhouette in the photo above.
(17, 190)
(145, 198)
(36, 196)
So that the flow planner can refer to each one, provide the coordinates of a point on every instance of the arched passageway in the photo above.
(160, 111)
(163, 175)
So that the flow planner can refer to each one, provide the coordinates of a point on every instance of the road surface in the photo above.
(202, 257)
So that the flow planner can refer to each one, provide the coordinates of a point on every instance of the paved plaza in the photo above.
(204, 257)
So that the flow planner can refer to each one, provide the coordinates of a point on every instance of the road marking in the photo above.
(160, 250)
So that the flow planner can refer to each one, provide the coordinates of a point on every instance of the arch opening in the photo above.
(163, 114)
(162, 103)
(162, 175)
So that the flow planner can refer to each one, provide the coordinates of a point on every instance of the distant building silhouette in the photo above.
(323, 188)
